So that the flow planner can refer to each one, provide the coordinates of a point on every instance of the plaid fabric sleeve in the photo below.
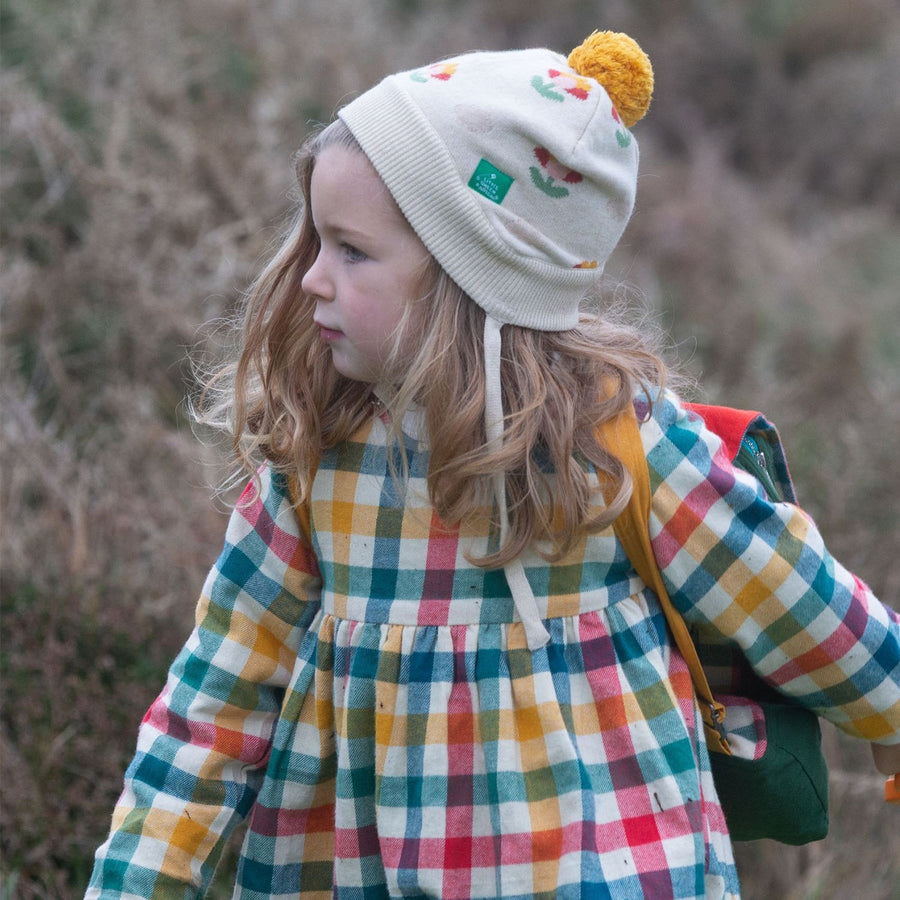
(759, 573)
(204, 743)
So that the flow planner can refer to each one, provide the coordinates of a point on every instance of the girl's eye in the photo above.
(353, 254)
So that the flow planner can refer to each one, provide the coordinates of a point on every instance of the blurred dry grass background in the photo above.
(145, 156)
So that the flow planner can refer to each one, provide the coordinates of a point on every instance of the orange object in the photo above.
(892, 789)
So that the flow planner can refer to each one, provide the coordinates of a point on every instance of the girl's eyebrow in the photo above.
(338, 229)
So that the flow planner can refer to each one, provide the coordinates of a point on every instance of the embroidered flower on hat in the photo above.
(568, 82)
(556, 171)
(622, 136)
(438, 71)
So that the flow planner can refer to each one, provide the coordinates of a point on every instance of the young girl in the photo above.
(423, 665)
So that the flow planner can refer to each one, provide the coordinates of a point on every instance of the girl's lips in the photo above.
(329, 334)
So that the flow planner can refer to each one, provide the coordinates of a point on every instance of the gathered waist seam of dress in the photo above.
(469, 610)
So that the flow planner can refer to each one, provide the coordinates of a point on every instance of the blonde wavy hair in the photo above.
(283, 401)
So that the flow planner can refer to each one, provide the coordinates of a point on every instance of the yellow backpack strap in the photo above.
(622, 437)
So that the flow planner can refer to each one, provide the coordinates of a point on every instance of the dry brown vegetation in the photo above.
(146, 169)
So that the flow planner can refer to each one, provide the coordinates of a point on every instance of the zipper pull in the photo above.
(753, 447)
(753, 460)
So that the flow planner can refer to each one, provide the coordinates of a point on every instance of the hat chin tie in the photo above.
(536, 635)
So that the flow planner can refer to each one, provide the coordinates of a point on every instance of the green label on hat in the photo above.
(490, 182)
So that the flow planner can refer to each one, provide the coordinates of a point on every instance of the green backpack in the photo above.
(782, 794)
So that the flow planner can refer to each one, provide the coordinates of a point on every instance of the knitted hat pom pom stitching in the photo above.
(617, 62)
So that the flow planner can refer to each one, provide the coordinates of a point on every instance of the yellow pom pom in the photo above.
(624, 70)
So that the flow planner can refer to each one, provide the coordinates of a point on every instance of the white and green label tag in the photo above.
(490, 182)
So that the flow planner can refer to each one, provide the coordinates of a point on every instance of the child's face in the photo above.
(369, 266)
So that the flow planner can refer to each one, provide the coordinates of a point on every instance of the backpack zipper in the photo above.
(753, 459)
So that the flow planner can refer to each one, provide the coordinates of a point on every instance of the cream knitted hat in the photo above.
(517, 171)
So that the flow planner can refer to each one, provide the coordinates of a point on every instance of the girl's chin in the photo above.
(352, 369)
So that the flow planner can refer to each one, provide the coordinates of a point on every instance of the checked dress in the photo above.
(370, 706)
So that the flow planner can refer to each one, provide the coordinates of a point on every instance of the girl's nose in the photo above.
(316, 282)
